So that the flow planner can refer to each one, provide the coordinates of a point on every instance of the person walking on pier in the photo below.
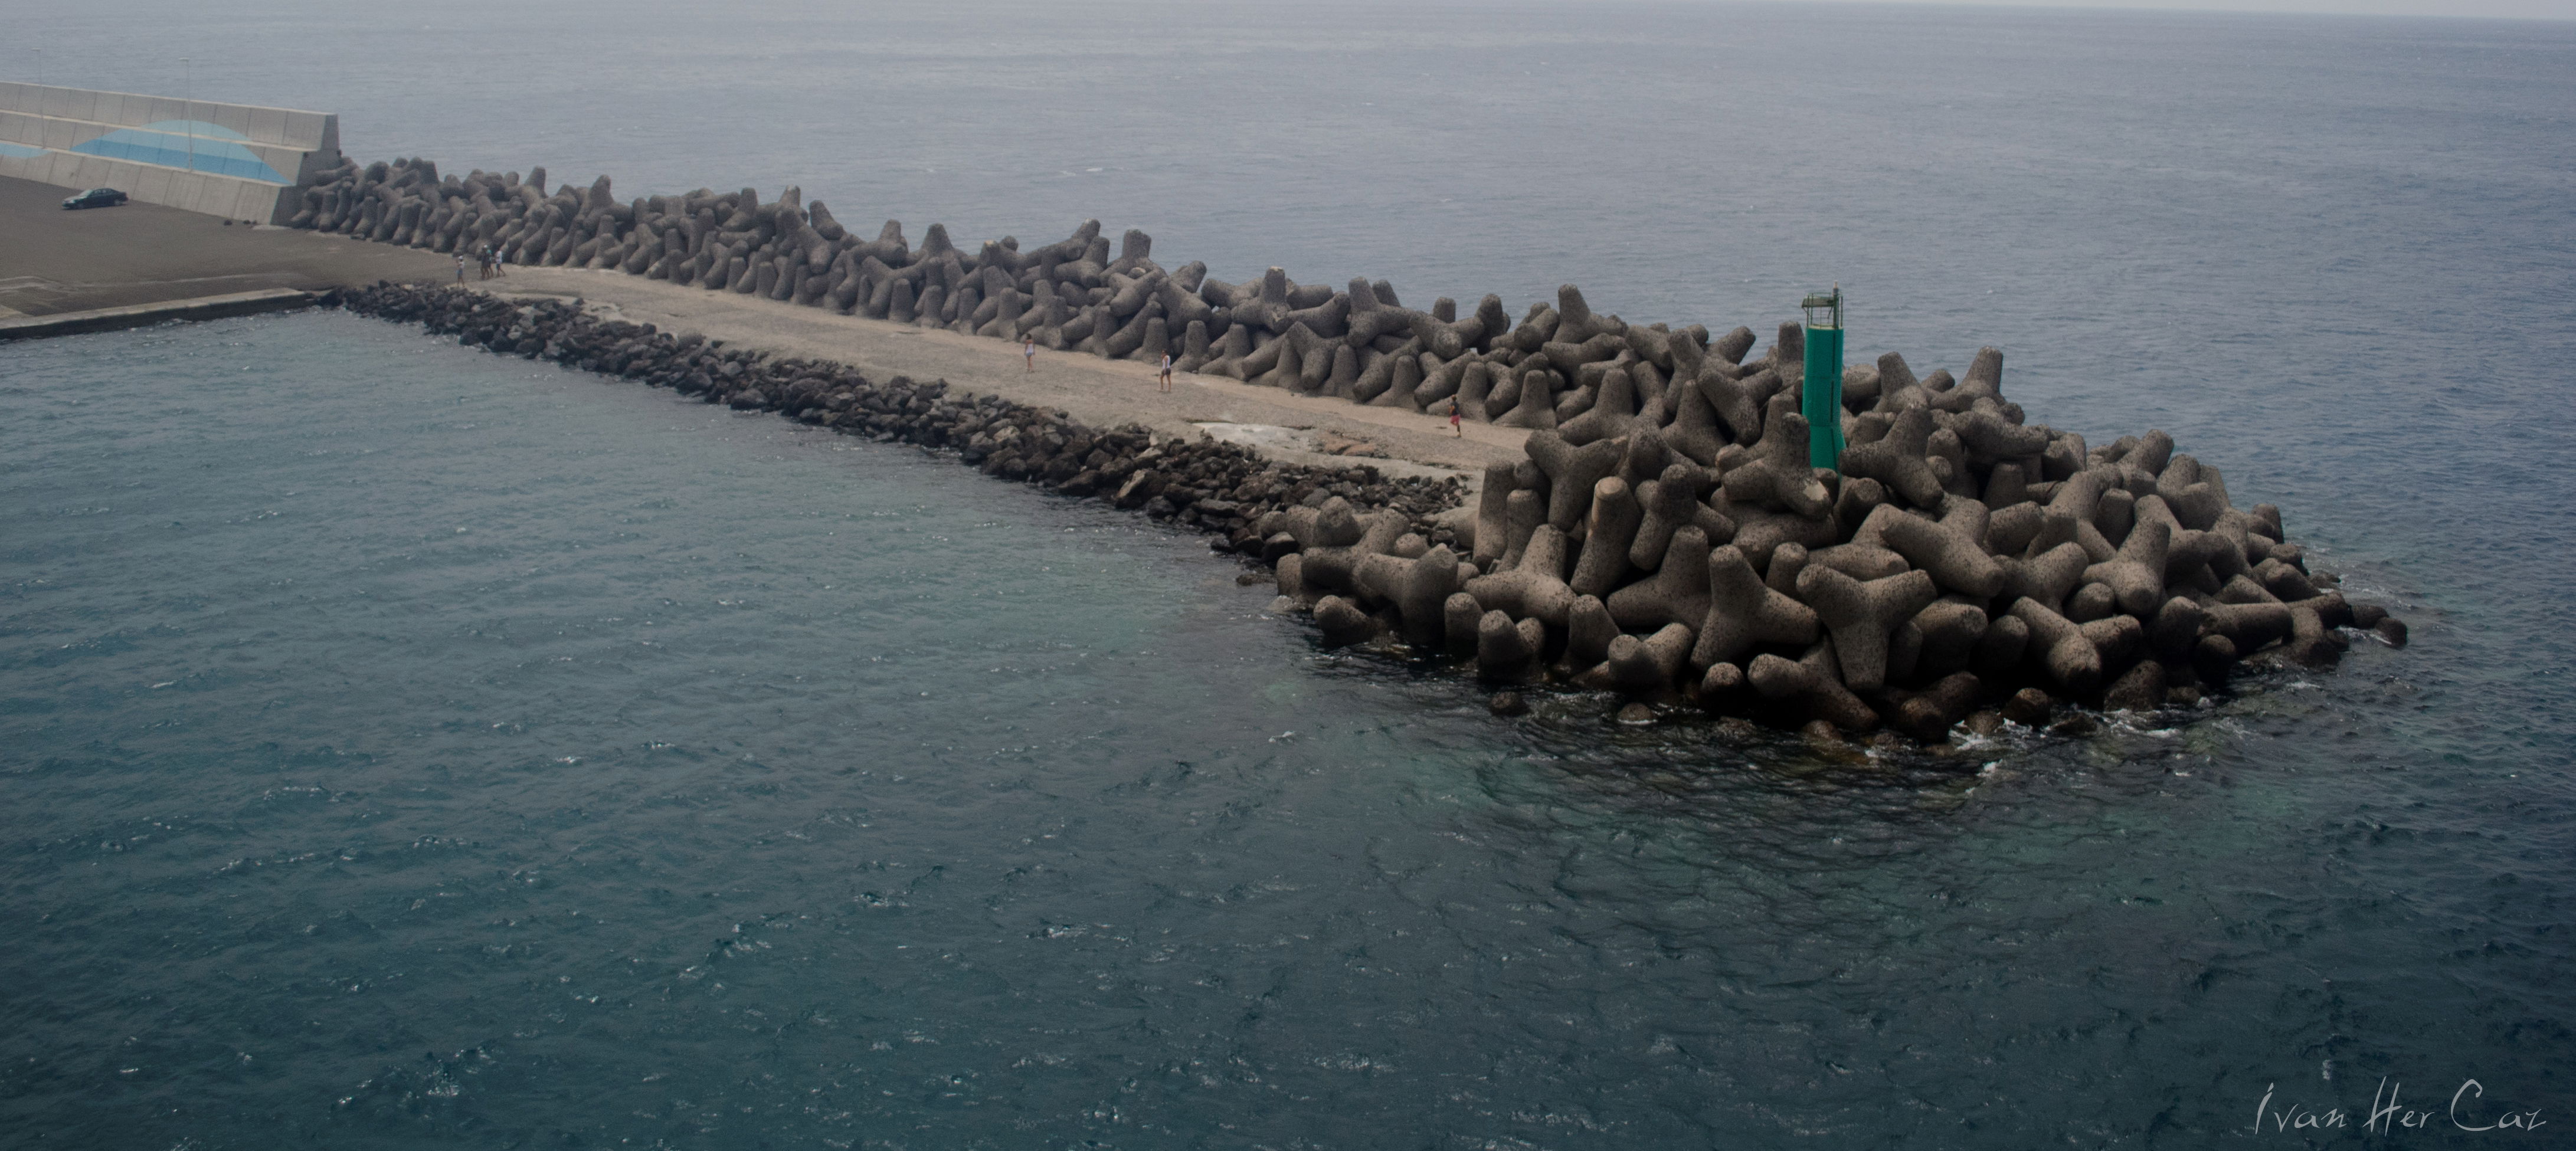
(1167, 371)
(1454, 428)
(460, 267)
(1029, 351)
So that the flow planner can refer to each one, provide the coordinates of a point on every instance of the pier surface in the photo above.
(53, 261)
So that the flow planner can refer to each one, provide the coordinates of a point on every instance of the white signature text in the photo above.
(2467, 1111)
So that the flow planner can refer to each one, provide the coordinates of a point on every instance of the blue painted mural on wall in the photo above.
(185, 144)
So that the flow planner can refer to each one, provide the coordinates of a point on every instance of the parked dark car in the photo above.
(96, 198)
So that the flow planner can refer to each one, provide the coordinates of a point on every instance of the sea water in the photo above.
(409, 746)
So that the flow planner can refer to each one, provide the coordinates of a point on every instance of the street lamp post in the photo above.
(1822, 393)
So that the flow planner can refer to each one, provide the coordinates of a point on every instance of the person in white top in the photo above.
(1029, 351)
(1167, 371)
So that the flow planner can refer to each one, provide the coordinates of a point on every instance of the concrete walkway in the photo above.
(1093, 390)
(53, 261)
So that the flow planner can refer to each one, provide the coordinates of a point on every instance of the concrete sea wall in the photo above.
(160, 312)
(237, 161)
(1664, 536)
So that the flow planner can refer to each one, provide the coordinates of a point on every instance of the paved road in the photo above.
(57, 261)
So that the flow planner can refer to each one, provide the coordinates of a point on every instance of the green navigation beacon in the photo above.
(1823, 390)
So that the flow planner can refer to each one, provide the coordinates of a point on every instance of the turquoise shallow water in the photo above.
(406, 746)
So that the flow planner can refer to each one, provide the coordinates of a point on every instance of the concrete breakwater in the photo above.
(1664, 536)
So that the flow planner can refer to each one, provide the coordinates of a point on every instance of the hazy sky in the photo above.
(2509, 9)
